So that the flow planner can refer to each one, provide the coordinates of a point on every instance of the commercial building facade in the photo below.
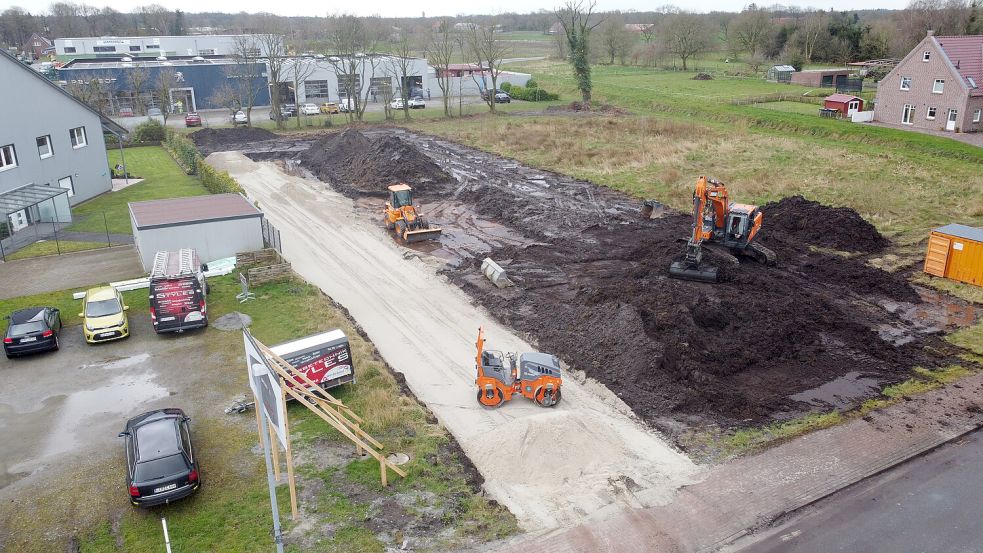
(154, 46)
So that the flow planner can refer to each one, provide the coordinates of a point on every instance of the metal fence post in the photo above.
(105, 224)
(54, 227)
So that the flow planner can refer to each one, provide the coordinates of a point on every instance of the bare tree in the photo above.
(139, 78)
(166, 78)
(273, 53)
(810, 31)
(484, 46)
(752, 28)
(299, 69)
(440, 53)
(351, 38)
(684, 35)
(245, 74)
(615, 39)
(578, 21)
(227, 95)
(398, 66)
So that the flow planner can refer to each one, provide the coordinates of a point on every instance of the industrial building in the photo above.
(52, 151)
(216, 226)
(131, 86)
(154, 46)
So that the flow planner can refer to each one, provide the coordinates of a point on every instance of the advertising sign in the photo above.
(176, 299)
(325, 358)
(265, 384)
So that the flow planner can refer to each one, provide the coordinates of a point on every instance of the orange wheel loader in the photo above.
(534, 375)
(401, 216)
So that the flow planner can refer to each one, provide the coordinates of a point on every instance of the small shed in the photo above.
(846, 104)
(780, 73)
(956, 252)
(217, 226)
(826, 78)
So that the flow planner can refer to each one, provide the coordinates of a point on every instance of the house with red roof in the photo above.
(936, 86)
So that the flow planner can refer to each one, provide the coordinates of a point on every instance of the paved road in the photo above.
(929, 504)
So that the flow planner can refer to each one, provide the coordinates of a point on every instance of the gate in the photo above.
(271, 236)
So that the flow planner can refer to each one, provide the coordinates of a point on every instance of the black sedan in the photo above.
(160, 463)
(32, 330)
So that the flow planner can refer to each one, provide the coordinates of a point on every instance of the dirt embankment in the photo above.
(838, 228)
(210, 141)
(358, 166)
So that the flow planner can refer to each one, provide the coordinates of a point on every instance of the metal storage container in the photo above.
(956, 252)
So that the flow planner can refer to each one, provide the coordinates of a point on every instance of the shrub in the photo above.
(506, 86)
(183, 151)
(150, 131)
(217, 182)
(531, 83)
(532, 94)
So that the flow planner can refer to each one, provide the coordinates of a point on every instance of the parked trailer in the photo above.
(325, 358)
(956, 252)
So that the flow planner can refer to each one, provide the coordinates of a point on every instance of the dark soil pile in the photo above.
(357, 166)
(209, 141)
(703, 77)
(838, 228)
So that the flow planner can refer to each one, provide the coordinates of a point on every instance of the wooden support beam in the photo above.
(290, 461)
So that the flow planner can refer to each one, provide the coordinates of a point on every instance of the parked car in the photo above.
(177, 292)
(289, 110)
(283, 116)
(346, 105)
(417, 103)
(104, 315)
(309, 109)
(239, 118)
(160, 460)
(156, 114)
(330, 107)
(32, 330)
(396, 103)
(192, 120)
(501, 97)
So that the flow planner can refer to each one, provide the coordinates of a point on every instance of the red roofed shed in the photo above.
(846, 104)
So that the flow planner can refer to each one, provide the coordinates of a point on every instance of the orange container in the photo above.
(956, 252)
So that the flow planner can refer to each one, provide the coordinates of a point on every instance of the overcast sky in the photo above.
(403, 8)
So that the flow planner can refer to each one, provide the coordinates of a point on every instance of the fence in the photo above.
(43, 238)
(263, 266)
(777, 97)
(271, 236)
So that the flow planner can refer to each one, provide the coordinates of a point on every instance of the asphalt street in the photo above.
(928, 505)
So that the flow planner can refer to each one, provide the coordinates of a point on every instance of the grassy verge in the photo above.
(50, 247)
(69, 307)
(163, 178)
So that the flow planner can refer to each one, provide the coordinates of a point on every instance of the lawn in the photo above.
(52, 247)
(791, 107)
(163, 178)
(232, 512)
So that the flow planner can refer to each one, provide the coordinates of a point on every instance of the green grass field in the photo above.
(50, 247)
(790, 107)
(162, 179)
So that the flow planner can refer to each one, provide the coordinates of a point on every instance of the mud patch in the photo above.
(358, 166)
(220, 140)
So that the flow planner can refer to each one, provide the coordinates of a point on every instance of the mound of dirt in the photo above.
(703, 77)
(210, 141)
(357, 166)
(838, 228)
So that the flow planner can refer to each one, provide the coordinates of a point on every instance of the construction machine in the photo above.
(718, 222)
(404, 218)
(534, 375)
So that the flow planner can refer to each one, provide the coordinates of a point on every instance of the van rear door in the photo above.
(177, 304)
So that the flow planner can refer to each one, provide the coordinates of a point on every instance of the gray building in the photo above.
(52, 151)
(154, 46)
(217, 226)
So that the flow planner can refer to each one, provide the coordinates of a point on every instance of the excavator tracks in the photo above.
(763, 255)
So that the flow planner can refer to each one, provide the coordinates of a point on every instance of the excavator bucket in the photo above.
(684, 271)
(411, 236)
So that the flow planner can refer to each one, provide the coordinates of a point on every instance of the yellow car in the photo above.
(330, 107)
(104, 315)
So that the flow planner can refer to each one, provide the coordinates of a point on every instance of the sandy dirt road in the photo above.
(551, 467)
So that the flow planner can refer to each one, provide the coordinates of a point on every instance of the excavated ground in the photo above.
(592, 286)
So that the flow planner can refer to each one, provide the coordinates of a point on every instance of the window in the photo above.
(206, 52)
(69, 49)
(153, 47)
(78, 137)
(103, 48)
(939, 86)
(905, 83)
(8, 158)
(67, 184)
(44, 146)
(930, 114)
(316, 89)
(976, 116)
(908, 114)
(926, 55)
(253, 52)
(134, 48)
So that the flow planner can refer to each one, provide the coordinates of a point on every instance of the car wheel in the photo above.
(57, 345)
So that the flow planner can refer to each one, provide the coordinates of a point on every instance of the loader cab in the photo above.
(400, 195)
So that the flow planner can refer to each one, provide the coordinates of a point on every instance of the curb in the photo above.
(926, 447)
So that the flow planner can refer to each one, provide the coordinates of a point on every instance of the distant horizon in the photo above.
(445, 8)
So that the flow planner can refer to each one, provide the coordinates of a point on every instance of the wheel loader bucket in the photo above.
(683, 271)
(411, 236)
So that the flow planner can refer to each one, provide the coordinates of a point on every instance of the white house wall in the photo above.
(213, 240)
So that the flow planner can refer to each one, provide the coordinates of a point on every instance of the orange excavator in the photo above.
(534, 375)
(718, 222)
(401, 216)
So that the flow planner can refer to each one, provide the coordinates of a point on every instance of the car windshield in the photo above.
(25, 328)
(160, 468)
(102, 308)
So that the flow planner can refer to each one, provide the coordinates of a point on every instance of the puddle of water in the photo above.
(841, 393)
(123, 363)
(121, 395)
(937, 311)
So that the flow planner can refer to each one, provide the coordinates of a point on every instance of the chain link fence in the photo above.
(23, 239)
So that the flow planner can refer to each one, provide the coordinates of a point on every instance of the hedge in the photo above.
(532, 94)
(185, 153)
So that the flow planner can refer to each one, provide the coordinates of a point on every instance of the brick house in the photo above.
(936, 86)
(36, 45)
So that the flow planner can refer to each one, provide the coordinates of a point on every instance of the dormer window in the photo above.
(972, 83)
(926, 55)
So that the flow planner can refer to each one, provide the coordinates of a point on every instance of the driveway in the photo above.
(550, 467)
(38, 275)
(974, 138)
